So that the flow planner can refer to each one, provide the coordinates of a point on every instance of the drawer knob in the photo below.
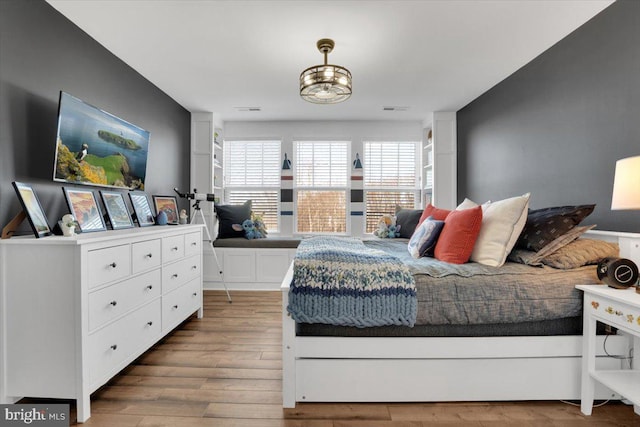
(150, 323)
(194, 244)
(194, 267)
(195, 294)
(113, 265)
(175, 248)
(114, 347)
(149, 255)
(149, 287)
(113, 303)
(175, 306)
(174, 276)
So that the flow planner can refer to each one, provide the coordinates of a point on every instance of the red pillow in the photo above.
(431, 211)
(461, 229)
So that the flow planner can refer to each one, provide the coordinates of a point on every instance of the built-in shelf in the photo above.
(427, 160)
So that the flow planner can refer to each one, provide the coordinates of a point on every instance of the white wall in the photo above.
(354, 131)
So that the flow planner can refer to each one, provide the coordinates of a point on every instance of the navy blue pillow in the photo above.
(423, 242)
(229, 215)
(545, 225)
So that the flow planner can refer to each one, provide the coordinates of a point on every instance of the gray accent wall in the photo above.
(42, 53)
(556, 127)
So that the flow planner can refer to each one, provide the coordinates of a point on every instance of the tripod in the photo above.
(196, 211)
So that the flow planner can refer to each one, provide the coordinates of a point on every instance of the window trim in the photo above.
(277, 189)
(416, 189)
(346, 189)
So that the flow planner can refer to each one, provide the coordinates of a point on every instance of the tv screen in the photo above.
(97, 148)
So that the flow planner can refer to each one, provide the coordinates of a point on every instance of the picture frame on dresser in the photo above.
(116, 208)
(32, 209)
(168, 205)
(83, 205)
(141, 208)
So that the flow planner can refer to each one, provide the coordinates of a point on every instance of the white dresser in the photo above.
(75, 311)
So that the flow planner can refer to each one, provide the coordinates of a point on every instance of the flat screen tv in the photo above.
(97, 148)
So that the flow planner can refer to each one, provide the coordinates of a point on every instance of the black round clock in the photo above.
(619, 273)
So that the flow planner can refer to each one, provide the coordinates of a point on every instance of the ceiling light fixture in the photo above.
(325, 84)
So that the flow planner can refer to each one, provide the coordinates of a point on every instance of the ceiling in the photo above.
(427, 56)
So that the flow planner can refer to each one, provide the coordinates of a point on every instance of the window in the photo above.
(391, 178)
(252, 172)
(321, 181)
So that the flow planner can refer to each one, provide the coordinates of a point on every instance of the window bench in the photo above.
(258, 264)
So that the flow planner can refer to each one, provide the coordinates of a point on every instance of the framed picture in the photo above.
(84, 207)
(33, 209)
(168, 205)
(116, 209)
(142, 209)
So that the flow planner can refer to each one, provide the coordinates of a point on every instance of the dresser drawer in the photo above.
(192, 243)
(111, 346)
(109, 264)
(615, 313)
(172, 248)
(111, 302)
(180, 272)
(180, 303)
(145, 255)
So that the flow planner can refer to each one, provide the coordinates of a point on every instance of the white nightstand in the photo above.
(621, 309)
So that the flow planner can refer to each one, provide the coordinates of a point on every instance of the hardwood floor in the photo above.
(225, 371)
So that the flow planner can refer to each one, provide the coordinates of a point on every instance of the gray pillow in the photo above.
(407, 219)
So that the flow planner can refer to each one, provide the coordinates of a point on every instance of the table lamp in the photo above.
(626, 186)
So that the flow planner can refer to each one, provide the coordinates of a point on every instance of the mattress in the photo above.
(476, 300)
(476, 294)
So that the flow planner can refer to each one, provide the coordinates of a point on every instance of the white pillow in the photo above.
(502, 223)
(466, 204)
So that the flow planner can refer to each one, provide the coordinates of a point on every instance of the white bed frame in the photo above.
(416, 369)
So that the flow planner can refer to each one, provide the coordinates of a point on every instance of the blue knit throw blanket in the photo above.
(340, 281)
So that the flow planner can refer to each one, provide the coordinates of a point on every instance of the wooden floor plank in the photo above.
(242, 384)
(239, 410)
(246, 397)
(225, 370)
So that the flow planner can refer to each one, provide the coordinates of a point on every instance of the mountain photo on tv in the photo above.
(97, 148)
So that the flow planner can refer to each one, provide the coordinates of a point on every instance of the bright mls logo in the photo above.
(56, 415)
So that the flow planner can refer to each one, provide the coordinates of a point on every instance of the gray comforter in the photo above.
(451, 294)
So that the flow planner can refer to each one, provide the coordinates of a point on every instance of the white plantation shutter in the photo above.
(252, 163)
(391, 178)
(252, 172)
(390, 164)
(321, 163)
(321, 181)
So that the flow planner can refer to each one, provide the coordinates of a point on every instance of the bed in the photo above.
(462, 348)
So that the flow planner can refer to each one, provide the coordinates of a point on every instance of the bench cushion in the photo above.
(241, 242)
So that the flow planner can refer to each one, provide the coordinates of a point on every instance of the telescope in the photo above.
(195, 195)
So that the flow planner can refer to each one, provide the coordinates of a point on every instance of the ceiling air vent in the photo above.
(394, 108)
(248, 108)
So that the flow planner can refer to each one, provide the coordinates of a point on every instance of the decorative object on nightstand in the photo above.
(618, 273)
(325, 83)
(626, 187)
